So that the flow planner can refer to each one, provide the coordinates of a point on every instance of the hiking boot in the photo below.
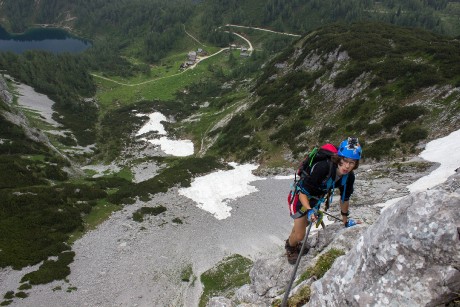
(291, 252)
(299, 248)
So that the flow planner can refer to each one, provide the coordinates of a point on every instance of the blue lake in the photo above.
(51, 40)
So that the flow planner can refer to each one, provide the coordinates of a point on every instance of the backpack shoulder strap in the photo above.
(344, 180)
(344, 183)
(331, 172)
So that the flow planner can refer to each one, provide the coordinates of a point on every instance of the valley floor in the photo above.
(126, 263)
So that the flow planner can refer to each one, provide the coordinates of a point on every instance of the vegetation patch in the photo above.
(379, 148)
(21, 294)
(9, 295)
(70, 289)
(402, 114)
(323, 264)
(139, 214)
(51, 270)
(413, 134)
(297, 300)
(25, 286)
(228, 275)
(38, 219)
(100, 211)
(374, 129)
(187, 273)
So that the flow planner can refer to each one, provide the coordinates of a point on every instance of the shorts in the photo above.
(295, 206)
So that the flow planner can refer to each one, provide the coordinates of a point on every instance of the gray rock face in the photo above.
(219, 301)
(5, 94)
(270, 275)
(409, 257)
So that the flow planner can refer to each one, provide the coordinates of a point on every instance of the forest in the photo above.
(150, 30)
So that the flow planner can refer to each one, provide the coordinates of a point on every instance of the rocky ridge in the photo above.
(414, 265)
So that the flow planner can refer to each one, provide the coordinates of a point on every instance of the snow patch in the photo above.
(214, 191)
(178, 148)
(154, 124)
(438, 151)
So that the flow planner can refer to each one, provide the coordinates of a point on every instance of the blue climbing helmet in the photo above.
(350, 148)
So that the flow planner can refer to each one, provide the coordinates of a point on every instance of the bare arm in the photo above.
(344, 208)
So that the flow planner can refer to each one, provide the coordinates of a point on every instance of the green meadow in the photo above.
(163, 82)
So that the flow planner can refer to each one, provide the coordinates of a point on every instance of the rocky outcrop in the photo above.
(5, 94)
(409, 257)
(270, 275)
(17, 117)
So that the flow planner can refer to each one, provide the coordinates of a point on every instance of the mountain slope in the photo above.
(393, 87)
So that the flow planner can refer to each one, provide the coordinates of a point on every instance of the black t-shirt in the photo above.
(322, 178)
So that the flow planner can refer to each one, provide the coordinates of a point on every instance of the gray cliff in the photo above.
(410, 256)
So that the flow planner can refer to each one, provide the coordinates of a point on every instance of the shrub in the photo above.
(349, 75)
(138, 215)
(352, 109)
(325, 132)
(380, 148)
(9, 295)
(55, 173)
(413, 134)
(374, 129)
(377, 82)
(21, 294)
(51, 270)
(186, 273)
(25, 286)
(70, 289)
(177, 220)
(66, 140)
(41, 219)
(402, 114)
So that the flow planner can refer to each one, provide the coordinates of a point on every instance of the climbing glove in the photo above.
(312, 212)
(350, 223)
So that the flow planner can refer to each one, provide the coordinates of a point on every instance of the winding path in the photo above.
(262, 29)
(250, 50)
(140, 83)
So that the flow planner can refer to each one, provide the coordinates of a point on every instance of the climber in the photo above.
(313, 187)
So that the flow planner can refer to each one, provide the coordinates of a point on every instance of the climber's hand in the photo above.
(312, 215)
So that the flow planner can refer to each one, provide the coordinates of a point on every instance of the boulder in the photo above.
(271, 274)
(409, 257)
(219, 301)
